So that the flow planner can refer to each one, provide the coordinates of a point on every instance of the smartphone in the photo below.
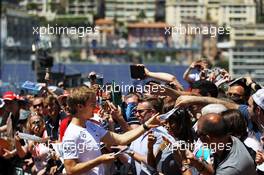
(120, 151)
(104, 105)
(116, 94)
(137, 72)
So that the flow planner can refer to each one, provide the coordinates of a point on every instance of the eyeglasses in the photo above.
(140, 111)
(234, 95)
(36, 122)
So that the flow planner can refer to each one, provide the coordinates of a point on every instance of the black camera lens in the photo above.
(93, 77)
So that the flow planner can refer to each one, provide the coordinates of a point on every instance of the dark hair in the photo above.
(216, 129)
(245, 87)
(132, 94)
(167, 106)
(182, 119)
(155, 103)
(236, 123)
(207, 88)
(255, 105)
(51, 99)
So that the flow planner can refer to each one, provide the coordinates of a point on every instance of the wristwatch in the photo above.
(146, 128)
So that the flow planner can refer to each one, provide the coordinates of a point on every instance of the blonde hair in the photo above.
(79, 95)
(28, 125)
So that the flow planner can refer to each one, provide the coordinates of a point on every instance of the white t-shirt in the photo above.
(83, 144)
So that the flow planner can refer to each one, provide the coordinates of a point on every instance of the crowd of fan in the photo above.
(216, 126)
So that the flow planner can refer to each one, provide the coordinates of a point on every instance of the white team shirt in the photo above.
(83, 144)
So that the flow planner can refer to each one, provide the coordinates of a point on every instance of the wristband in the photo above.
(145, 127)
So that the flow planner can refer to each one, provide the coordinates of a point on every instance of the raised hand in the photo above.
(259, 157)
(151, 140)
(115, 112)
(153, 122)
(7, 154)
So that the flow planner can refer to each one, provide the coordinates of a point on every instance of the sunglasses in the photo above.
(36, 122)
(234, 95)
(140, 111)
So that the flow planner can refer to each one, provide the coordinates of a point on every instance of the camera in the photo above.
(92, 77)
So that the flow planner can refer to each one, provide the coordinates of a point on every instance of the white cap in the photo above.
(213, 108)
(258, 98)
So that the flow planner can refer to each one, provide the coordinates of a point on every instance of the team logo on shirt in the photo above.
(69, 147)
(83, 135)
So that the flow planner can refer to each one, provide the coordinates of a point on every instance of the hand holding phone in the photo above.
(120, 151)
(137, 72)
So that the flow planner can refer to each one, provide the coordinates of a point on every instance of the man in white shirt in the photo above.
(145, 110)
(81, 149)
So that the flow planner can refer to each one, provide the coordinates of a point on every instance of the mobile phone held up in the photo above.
(137, 72)
(116, 94)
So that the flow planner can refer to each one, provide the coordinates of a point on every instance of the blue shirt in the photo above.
(244, 111)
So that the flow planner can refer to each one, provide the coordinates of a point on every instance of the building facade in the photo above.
(237, 12)
(180, 11)
(218, 11)
(17, 35)
(40, 7)
(81, 7)
(130, 10)
(247, 52)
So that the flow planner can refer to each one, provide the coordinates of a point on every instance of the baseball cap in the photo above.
(258, 98)
(2, 103)
(9, 95)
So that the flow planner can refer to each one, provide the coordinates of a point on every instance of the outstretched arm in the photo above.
(164, 77)
(188, 71)
(112, 138)
(190, 100)
(72, 166)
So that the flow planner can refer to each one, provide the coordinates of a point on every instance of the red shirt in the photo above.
(64, 124)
